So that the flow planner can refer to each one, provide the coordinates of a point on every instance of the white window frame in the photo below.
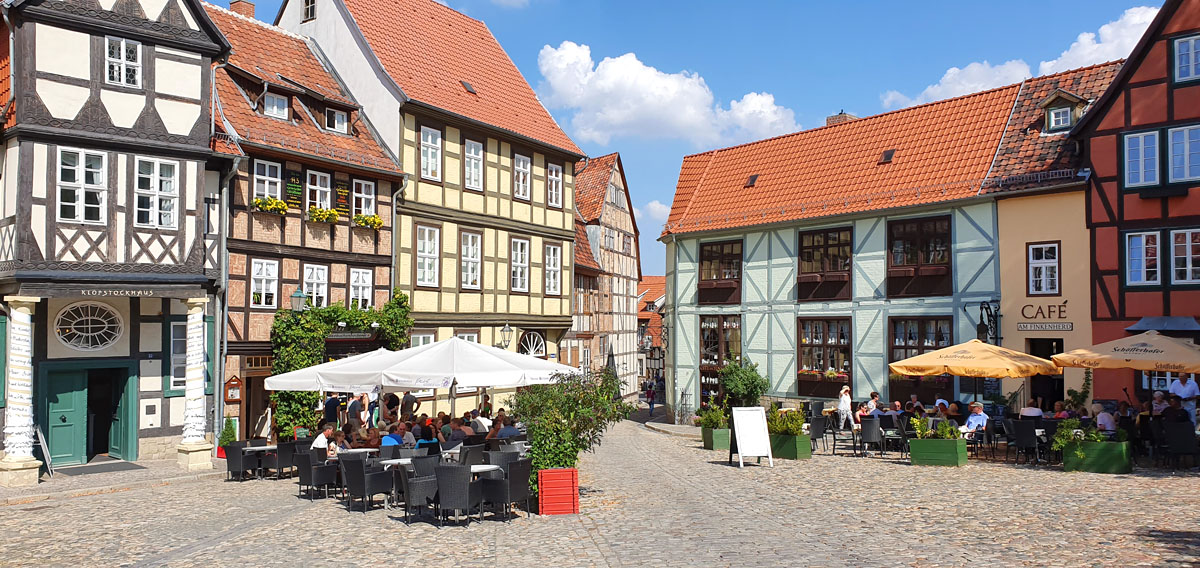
(472, 336)
(554, 185)
(82, 188)
(1129, 269)
(471, 260)
(266, 285)
(121, 63)
(323, 193)
(553, 270)
(518, 261)
(1192, 250)
(1194, 53)
(341, 121)
(1053, 116)
(316, 285)
(362, 197)
(271, 104)
(473, 165)
(1044, 265)
(362, 288)
(1190, 150)
(522, 177)
(610, 238)
(1141, 160)
(156, 194)
(178, 331)
(310, 10)
(420, 338)
(428, 247)
(266, 185)
(431, 154)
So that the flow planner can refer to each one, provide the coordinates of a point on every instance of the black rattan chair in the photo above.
(424, 465)
(1181, 441)
(313, 476)
(470, 455)
(512, 488)
(238, 462)
(280, 459)
(871, 433)
(456, 492)
(389, 452)
(418, 492)
(501, 459)
(408, 452)
(1022, 438)
(364, 484)
(494, 444)
(816, 431)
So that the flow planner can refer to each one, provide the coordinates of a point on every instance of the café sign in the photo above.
(1051, 318)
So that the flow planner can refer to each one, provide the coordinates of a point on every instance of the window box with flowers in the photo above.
(270, 205)
(374, 222)
(321, 215)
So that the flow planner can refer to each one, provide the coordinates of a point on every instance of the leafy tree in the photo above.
(298, 341)
(742, 383)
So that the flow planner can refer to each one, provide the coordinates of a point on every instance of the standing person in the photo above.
(843, 408)
(1187, 391)
(331, 409)
(485, 406)
(650, 396)
(874, 402)
(354, 412)
(409, 404)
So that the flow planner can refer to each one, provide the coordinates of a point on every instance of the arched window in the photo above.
(532, 343)
(88, 326)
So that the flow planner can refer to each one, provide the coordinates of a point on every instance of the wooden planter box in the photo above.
(715, 438)
(558, 491)
(1100, 457)
(791, 447)
(938, 452)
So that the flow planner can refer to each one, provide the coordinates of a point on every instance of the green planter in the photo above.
(715, 438)
(938, 452)
(1100, 457)
(791, 447)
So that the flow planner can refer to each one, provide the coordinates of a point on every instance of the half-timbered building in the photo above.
(485, 232)
(109, 231)
(310, 202)
(1142, 143)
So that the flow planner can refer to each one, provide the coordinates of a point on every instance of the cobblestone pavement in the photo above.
(653, 500)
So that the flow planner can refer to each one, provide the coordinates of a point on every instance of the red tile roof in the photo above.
(1028, 157)
(583, 248)
(591, 185)
(651, 288)
(286, 61)
(942, 152)
(428, 49)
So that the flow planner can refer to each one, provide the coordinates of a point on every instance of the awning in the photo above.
(1165, 323)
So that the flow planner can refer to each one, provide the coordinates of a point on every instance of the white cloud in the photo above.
(656, 211)
(621, 96)
(1116, 41)
(978, 76)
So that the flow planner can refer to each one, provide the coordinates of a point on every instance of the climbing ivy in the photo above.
(298, 341)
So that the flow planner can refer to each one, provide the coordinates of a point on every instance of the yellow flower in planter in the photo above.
(368, 221)
(270, 205)
(320, 215)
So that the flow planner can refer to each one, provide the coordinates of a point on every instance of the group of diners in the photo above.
(410, 431)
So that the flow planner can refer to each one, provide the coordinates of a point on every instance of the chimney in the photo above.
(840, 117)
(243, 7)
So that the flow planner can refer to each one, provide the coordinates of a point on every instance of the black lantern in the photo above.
(299, 300)
(988, 328)
(506, 334)
(666, 333)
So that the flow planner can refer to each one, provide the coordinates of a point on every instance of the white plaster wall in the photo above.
(176, 78)
(178, 117)
(55, 349)
(123, 108)
(62, 100)
(151, 336)
(12, 154)
(62, 52)
(148, 419)
(149, 375)
(153, 8)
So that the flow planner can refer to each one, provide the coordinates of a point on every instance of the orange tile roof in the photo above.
(583, 248)
(1029, 158)
(942, 152)
(428, 48)
(651, 288)
(591, 185)
(287, 61)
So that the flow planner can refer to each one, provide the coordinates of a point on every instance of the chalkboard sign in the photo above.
(749, 429)
(294, 190)
(341, 198)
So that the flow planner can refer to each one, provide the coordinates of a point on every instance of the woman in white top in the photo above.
(843, 407)
(1104, 420)
(1032, 409)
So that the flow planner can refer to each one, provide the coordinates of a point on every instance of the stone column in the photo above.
(19, 468)
(195, 453)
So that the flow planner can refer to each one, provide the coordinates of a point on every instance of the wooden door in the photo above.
(118, 435)
(65, 417)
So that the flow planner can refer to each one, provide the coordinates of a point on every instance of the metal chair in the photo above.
(314, 476)
(456, 492)
(418, 491)
(364, 484)
(871, 433)
(237, 462)
(512, 488)
(423, 466)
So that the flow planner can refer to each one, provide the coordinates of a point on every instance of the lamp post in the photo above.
(299, 300)
(506, 334)
(988, 328)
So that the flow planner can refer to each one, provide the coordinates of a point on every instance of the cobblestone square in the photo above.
(651, 499)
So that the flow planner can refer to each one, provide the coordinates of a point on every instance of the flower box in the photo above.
(715, 438)
(938, 452)
(788, 447)
(558, 491)
(270, 205)
(318, 215)
(1099, 457)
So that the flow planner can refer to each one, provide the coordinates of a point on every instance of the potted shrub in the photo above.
(228, 436)
(714, 427)
(322, 215)
(943, 446)
(742, 384)
(1089, 450)
(270, 205)
(368, 221)
(786, 431)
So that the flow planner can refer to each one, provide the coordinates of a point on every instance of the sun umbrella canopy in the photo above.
(470, 364)
(975, 359)
(352, 374)
(1150, 351)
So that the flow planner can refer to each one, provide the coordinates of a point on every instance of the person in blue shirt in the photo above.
(976, 420)
(399, 436)
(331, 409)
(508, 430)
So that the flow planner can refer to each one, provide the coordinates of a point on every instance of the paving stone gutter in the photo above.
(690, 432)
(98, 490)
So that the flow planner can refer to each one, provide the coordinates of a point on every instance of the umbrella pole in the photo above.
(453, 396)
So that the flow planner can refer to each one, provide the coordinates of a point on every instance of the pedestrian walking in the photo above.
(843, 408)
(650, 395)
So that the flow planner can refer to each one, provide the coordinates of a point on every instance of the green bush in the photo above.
(948, 431)
(945, 430)
(713, 416)
(785, 423)
(228, 436)
(742, 383)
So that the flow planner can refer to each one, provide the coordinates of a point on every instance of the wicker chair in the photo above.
(418, 491)
(456, 492)
(238, 462)
(314, 476)
(512, 488)
(363, 484)
(280, 459)
(816, 431)
(470, 455)
(424, 465)
(871, 434)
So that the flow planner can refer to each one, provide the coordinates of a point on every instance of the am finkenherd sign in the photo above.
(1046, 312)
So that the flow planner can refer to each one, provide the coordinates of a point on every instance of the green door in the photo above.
(117, 436)
(65, 418)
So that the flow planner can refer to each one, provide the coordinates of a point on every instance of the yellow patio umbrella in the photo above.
(1150, 351)
(975, 359)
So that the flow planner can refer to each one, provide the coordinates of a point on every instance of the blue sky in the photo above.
(659, 80)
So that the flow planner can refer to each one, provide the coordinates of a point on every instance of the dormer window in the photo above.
(335, 120)
(1187, 58)
(310, 10)
(275, 105)
(1058, 118)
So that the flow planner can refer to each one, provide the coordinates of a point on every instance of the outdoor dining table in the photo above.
(484, 468)
(259, 449)
(396, 461)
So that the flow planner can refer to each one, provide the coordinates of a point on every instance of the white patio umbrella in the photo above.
(357, 373)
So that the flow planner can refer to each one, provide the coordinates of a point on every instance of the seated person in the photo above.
(939, 401)
(427, 438)
(1175, 412)
(458, 432)
(954, 410)
(895, 410)
(464, 426)
(943, 411)
(1104, 421)
(1060, 410)
(322, 439)
(1159, 403)
(373, 438)
(861, 412)
(336, 445)
(1031, 409)
(1124, 410)
(399, 436)
(508, 430)
(877, 410)
(976, 420)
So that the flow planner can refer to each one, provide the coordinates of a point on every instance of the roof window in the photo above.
(468, 87)
(886, 157)
(753, 179)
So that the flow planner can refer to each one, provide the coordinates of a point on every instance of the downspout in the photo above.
(12, 75)
(395, 225)
(223, 308)
(254, 104)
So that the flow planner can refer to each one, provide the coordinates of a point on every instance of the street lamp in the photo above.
(299, 300)
(506, 333)
(666, 333)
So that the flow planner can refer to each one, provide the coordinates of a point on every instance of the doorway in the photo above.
(104, 392)
(1047, 389)
(87, 410)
